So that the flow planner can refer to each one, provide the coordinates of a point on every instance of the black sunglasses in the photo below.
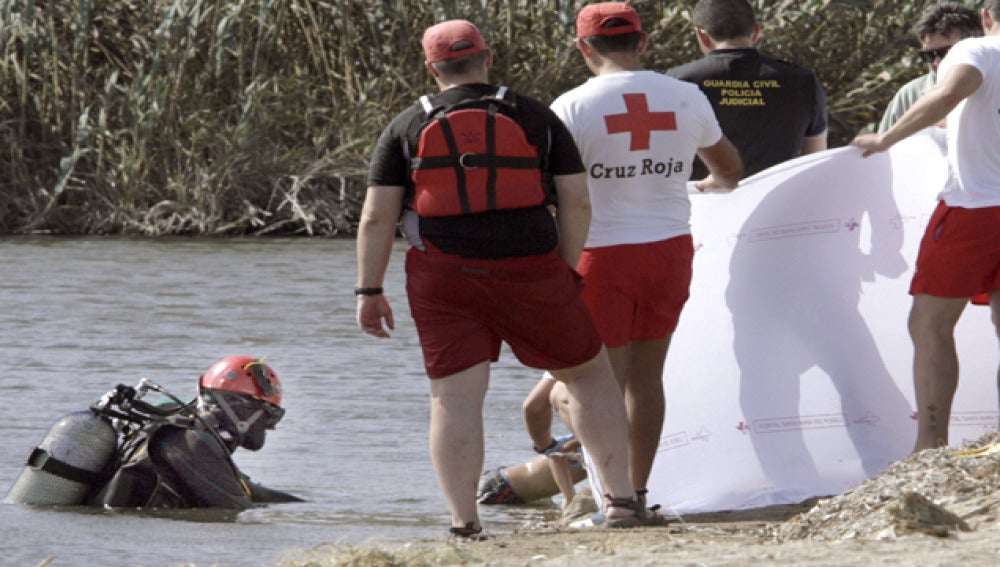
(931, 54)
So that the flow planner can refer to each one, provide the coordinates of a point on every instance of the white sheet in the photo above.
(790, 373)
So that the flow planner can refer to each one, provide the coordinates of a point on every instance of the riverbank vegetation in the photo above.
(256, 117)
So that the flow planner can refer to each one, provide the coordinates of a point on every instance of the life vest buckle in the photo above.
(462, 161)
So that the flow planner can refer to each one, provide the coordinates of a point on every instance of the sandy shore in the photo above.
(937, 507)
(694, 544)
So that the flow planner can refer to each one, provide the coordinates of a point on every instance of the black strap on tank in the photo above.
(40, 459)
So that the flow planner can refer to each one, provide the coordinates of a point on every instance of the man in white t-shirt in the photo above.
(638, 132)
(959, 256)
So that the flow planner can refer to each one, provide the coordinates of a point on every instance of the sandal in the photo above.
(652, 515)
(468, 532)
(641, 516)
(640, 495)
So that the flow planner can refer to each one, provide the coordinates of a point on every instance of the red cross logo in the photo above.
(639, 121)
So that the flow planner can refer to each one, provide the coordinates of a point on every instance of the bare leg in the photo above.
(935, 365)
(559, 399)
(597, 414)
(456, 439)
(639, 365)
(561, 474)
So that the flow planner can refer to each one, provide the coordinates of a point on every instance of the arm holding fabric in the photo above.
(725, 167)
(930, 109)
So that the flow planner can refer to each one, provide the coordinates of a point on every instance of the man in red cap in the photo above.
(471, 174)
(638, 132)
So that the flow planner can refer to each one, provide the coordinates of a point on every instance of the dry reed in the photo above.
(231, 117)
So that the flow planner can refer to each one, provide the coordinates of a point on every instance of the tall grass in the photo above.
(229, 117)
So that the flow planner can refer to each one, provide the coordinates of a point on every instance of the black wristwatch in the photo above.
(367, 291)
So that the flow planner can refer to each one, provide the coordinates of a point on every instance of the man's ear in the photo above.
(756, 33)
(705, 41)
(430, 67)
(583, 47)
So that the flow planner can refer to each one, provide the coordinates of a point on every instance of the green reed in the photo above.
(229, 117)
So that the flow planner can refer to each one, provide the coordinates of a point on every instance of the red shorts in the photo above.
(636, 291)
(463, 308)
(959, 254)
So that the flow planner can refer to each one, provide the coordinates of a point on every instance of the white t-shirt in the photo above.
(974, 128)
(638, 132)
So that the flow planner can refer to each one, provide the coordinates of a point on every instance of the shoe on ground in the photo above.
(641, 516)
(468, 532)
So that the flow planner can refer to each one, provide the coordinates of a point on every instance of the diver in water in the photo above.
(167, 455)
(189, 464)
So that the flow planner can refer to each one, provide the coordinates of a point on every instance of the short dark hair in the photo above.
(947, 16)
(461, 65)
(615, 43)
(724, 20)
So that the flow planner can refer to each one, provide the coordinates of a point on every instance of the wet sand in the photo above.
(937, 507)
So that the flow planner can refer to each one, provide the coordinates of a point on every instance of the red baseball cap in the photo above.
(452, 39)
(592, 17)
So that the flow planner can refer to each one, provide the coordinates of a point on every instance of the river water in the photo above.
(78, 316)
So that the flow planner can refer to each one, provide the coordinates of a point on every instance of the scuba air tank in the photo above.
(69, 463)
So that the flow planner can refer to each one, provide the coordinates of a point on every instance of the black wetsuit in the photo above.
(174, 465)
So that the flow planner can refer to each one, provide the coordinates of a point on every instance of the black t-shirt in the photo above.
(765, 107)
(494, 234)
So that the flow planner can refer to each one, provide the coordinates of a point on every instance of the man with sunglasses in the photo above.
(182, 459)
(959, 256)
(940, 27)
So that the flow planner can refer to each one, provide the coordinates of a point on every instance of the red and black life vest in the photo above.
(474, 157)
